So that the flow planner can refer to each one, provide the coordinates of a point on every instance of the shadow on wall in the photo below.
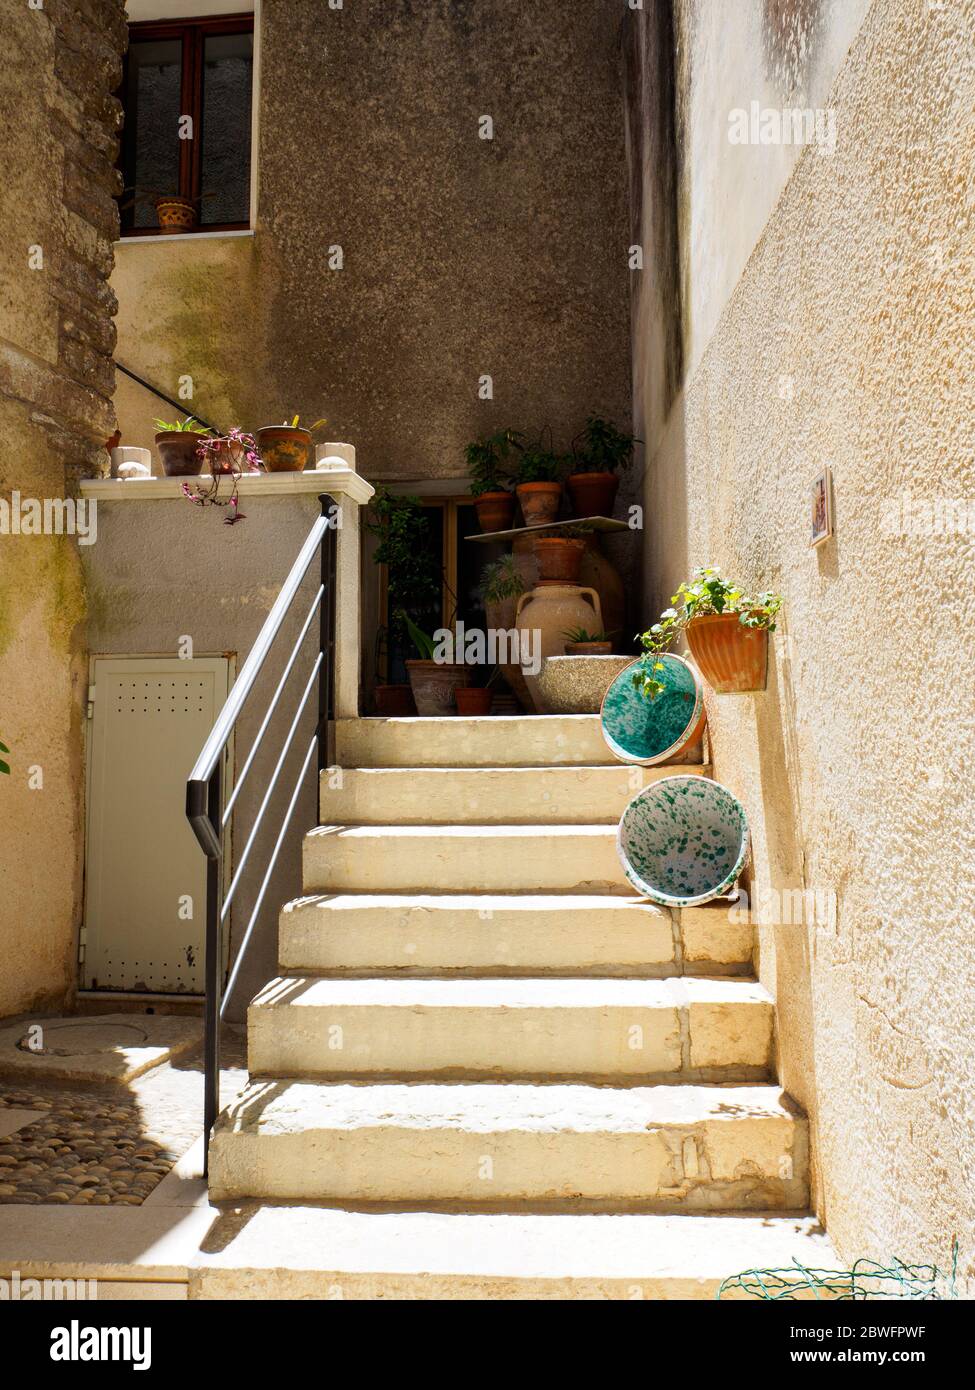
(776, 744)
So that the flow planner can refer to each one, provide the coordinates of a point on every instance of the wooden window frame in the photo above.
(193, 34)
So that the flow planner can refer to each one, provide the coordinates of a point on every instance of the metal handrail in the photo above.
(204, 787)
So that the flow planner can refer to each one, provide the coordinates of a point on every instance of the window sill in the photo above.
(152, 239)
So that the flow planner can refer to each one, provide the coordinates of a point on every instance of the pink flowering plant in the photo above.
(230, 455)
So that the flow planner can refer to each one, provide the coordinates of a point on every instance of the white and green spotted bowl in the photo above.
(640, 730)
(683, 841)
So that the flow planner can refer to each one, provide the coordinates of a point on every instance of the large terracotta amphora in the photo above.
(542, 618)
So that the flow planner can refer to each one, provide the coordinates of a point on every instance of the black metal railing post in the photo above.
(213, 971)
(326, 687)
(210, 819)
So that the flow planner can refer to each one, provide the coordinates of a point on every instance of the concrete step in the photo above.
(483, 795)
(516, 740)
(448, 934)
(593, 1029)
(701, 1148)
(463, 859)
(275, 1252)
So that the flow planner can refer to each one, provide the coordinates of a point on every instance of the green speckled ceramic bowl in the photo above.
(683, 841)
(640, 730)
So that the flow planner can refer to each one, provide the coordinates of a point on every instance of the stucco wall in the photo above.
(462, 256)
(848, 340)
(164, 569)
(60, 65)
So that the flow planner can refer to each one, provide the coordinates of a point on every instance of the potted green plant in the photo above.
(601, 452)
(286, 448)
(413, 581)
(538, 484)
(579, 641)
(488, 463)
(502, 585)
(178, 446)
(725, 627)
(434, 683)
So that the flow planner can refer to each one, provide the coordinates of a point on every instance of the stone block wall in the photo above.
(62, 63)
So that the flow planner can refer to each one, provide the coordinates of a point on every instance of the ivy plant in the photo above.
(707, 593)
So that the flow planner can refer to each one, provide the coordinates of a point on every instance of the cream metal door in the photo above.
(145, 875)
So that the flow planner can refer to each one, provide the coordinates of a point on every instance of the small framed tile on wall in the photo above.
(821, 508)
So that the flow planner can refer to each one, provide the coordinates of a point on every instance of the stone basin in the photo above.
(577, 684)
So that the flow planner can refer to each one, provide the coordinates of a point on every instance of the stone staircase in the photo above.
(488, 1059)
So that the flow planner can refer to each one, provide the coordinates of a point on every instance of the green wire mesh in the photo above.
(865, 1280)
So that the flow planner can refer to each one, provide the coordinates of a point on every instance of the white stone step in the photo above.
(327, 1253)
(596, 1029)
(463, 859)
(482, 795)
(516, 740)
(703, 1148)
(502, 934)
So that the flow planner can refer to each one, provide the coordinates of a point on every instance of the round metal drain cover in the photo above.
(76, 1039)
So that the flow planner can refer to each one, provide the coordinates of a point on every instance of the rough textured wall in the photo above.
(462, 256)
(56, 338)
(777, 53)
(849, 340)
(163, 569)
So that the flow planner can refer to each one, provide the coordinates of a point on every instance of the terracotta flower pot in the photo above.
(473, 699)
(559, 559)
(176, 214)
(593, 494)
(434, 684)
(495, 510)
(177, 450)
(394, 701)
(284, 448)
(588, 648)
(539, 502)
(731, 658)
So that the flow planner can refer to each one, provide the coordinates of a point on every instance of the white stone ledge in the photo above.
(337, 481)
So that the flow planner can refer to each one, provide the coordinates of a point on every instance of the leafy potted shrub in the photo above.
(413, 580)
(580, 642)
(178, 446)
(488, 465)
(434, 683)
(601, 453)
(538, 485)
(286, 448)
(726, 629)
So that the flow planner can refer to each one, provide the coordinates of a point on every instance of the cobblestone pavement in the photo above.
(106, 1145)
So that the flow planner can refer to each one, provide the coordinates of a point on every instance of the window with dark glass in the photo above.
(186, 90)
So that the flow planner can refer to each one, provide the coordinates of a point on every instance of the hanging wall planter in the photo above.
(683, 841)
(726, 629)
(732, 658)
